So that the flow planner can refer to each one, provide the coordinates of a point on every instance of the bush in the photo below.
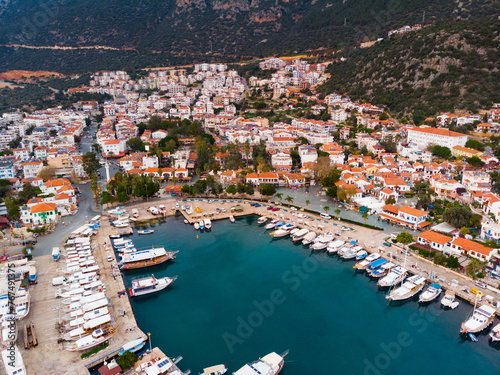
(127, 360)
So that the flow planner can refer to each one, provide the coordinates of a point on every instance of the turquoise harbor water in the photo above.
(241, 295)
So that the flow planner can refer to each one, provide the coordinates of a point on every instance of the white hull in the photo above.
(160, 285)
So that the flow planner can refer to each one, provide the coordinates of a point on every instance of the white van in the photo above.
(325, 216)
(58, 280)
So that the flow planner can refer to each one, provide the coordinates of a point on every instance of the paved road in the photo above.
(68, 224)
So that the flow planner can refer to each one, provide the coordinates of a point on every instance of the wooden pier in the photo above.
(30, 336)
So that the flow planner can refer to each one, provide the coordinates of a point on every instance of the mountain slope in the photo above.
(440, 68)
(181, 28)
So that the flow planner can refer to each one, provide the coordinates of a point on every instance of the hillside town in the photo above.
(209, 132)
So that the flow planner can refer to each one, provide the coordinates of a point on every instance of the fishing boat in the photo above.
(376, 264)
(208, 224)
(231, 218)
(215, 370)
(13, 362)
(396, 276)
(270, 364)
(294, 231)
(196, 226)
(280, 233)
(22, 303)
(114, 236)
(133, 346)
(149, 284)
(272, 224)
(334, 246)
(97, 337)
(261, 220)
(146, 231)
(300, 234)
(431, 293)
(201, 224)
(121, 224)
(495, 333)
(381, 271)
(448, 301)
(146, 258)
(9, 329)
(481, 318)
(186, 221)
(362, 254)
(410, 287)
(308, 238)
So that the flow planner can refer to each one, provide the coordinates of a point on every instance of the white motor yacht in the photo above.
(410, 287)
(431, 293)
(396, 276)
(481, 318)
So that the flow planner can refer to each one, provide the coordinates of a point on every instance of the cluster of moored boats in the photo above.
(203, 224)
(395, 279)
(132, 258)
(86, 322)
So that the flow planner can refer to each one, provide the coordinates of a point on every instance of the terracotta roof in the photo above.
(435, 237)
(43, 207)
(442, 132)
(469, 245)
(413, 211)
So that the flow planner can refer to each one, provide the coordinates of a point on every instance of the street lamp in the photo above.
(149, 337)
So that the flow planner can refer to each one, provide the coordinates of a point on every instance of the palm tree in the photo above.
(308, 202)
(365, 216)
(279, 196)
(289, 199)
(326, 208)
(337, 211)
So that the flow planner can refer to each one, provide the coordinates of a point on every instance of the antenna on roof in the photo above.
(423, 18)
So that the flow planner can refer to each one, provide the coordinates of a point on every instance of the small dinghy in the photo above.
(196, 226)
(472, 337)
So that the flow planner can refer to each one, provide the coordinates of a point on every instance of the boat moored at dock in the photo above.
(208, 224)
(300, 234)
(410, 287)
(308, 238)
(145, 258)
(149, 284)
(215, 370)
(396, 276)
(13, 366)
(448, 301)
(270, 364)
(261, 220)
(495, 333)
(431, 293)
(481, 318)
(133, 346)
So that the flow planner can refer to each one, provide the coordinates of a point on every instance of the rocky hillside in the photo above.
(148, 31)
(437, 69)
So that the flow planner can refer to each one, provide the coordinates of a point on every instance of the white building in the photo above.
(308, 154)
(113, 148)
(423, 137)
(281, 161)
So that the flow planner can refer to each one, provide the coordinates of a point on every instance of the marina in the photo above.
(235, 251)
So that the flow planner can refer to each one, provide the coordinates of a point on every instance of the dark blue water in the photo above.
(241, 295)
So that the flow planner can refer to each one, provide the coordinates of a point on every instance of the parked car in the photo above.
(275, 209)
(481, 284)
(325, 216)
(269, 208)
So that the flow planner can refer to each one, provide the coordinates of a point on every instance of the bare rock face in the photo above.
(270, 15)
(238, 5)
(185, 4)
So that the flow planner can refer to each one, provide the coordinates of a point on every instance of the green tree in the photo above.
(123, 197)
(457, 216)
(440, 259)
(475, 161)
(90, 163)
(475, 268)
(337, 212)
(464, 231)
(424, 201)
(452, 262)
(231, 189)
(279, 196)
(106, 197)
(441, 151)
(186, 189)
(326, 209)
(94, 187)
(127, 360)
(289, 199)
(27, 192)
(267, 190)
(308, 202)
(404, 238)
(136, 144)
(365, 216)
